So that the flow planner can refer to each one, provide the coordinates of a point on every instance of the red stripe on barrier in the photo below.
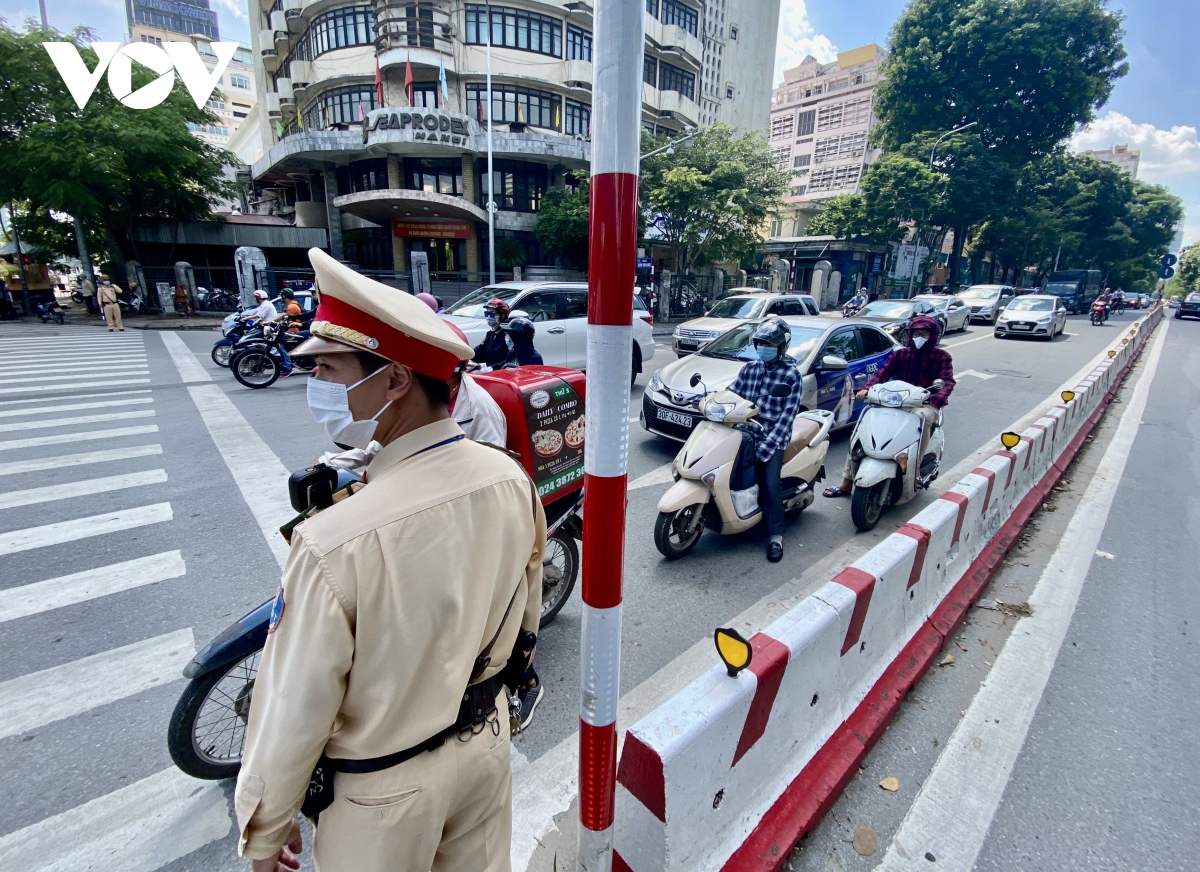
(612, 251)
(1044, 429)
(991, 480)
(604, 501)
(641, 773)
(597, 774)
(769, 662)
(1012, 464)
(915, 531)
(961, 501)
(863, 585)
(1029, 453)
(619, 864)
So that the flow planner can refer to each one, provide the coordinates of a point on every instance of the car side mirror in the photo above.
(780, 390)
(833, 362)
(518, 313)
(695, 379)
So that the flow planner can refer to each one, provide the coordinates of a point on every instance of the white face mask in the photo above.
(919, 341)
(329, 403)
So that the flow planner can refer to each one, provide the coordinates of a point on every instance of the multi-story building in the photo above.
(408, 172)
(1119, 156)
(820, 120)
(739, 57)
(234, 98)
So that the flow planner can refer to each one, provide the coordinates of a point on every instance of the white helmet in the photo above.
(260, 295)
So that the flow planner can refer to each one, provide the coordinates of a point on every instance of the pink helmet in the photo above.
(428, 300)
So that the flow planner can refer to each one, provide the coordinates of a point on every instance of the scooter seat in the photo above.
(804, 431)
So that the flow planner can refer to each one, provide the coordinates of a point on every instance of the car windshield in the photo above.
(471, 306)
(1024, 304)
(938, 303)
(887, 309)
(735, 345)
(1193, 298)
(735, 307)
(1060, 288)
(980, 294)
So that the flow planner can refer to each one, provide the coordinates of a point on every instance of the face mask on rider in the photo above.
(767, 353)
(920, 341)
(329, 403)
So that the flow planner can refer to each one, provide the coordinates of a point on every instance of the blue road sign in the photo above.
(1166, 272)
(1169, 260)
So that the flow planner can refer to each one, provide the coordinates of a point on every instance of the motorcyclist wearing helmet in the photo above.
(521, 331)
(493, 350)
(921, 363)
(773, 366)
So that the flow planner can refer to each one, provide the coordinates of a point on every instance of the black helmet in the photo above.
(287, 294)
(521, 329)
(773, 331)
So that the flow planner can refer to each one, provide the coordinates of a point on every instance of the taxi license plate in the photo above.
(675, 418)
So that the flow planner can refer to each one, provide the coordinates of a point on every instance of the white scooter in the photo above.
(886, 447)
(701, 495)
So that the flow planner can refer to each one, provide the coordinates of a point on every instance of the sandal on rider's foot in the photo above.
(834, 492)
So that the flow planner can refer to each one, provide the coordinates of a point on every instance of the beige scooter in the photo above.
(701, 495)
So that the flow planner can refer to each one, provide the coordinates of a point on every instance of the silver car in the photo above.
(1040, 315)
(987, 301)
(725, 313)
(956, 314)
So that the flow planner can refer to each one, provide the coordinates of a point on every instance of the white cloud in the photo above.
(798, 38)
(1165, 153)
(238, 9)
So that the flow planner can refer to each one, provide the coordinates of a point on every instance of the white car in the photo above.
(727, 312)
(1040, 315)
(956, 314)
(558, 311)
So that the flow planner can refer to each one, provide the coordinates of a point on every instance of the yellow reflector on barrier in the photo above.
(1067, 396)
(1010, 440)
(1112, 353)
(1124, 341)
(735, 652)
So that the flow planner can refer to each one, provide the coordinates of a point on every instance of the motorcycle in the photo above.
(853, 306)
(702, 495)
(131, 307)
(885, 443)
(256, 361)
(207, 730)
(50, 312)
(232, 330)
(1099, 313)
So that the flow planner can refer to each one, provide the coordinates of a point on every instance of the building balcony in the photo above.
(287, 96)
(395, 30)
(292, 11)
(389, 204)
(679, 47)
(301, 75)
(270, 57)
(669, 104)
(272, 103)
(578, 76)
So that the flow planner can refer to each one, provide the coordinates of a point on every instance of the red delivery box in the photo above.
(544, 409)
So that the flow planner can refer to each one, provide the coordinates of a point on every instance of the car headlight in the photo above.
(655, 383)
(1045, 319)
(892, 328)
(892, 399)
(985, 310)
(715, 411)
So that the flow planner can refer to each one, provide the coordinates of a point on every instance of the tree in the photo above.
(562, 222)
(1187, 273)
(844, 216)
(708, 200)
(107, 165)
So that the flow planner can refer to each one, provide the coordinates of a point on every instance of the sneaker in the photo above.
(285, 373)
(530, 697)
(774, 552)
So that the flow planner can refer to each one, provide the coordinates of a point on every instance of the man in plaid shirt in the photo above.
(773, 367)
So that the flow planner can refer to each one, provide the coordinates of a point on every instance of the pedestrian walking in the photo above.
(379, 702)
(7, 311)
(109, 305)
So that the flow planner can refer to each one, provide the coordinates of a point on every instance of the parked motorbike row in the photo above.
(252, 351)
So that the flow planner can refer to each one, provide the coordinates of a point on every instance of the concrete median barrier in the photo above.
(729, 773)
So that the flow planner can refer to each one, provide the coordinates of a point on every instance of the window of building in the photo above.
(840, 84)
(425, 94)
(514, 104)
(652, 7)
(518, 185)
(578, 119)
(802, 160)
(237, 105)
(153, 40)
(676, 13)
(856, 111)
(436, 176)
(798, 190)
(830, 117)
(650, 71)
(215, 103)
(733, 31)
(672, 78)
(729, 93)
(782, 126)
(340, 28)
(805, 122)
(782, 156)
(515, 28)
(340, 106)
(240, 114)
(579, 44)
(777, 227)
(362, 175)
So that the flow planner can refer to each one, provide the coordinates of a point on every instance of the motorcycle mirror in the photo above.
(695, 379)
(938, 384)
(780, 391)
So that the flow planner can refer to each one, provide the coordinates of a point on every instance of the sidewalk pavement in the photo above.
(78, 317)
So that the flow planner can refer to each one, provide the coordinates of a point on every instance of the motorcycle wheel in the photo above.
(208, 727)
(255, 369)
(76, 297)
(867, 505)
(58, 316)
(669, 536)
(560, 569)
(220, 353)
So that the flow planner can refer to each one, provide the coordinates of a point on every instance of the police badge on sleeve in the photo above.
(277, 608)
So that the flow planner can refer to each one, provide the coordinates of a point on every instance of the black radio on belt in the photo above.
(313, 486)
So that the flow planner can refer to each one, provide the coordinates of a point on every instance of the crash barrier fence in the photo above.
(730, 772)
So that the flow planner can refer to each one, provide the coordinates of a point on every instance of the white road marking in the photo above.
(259, 474)
(109, 367)
(965, 341)
(135, 369)
(78, 587)
(97, 339)
(72, 407)
(76, 386)
(80, 419)
(64, 460)
(29, 538)
(63, 438)
(29, 400)
(659, 475)
(139, 828)
(60, 692)
(185, 361)
(68, 355)
(976, 373)
(953, 811)
(70, 490)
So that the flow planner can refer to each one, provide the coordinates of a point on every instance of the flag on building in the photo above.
(278, 129)
(442, 79)
(378, 84)
(361, 114)
(408, 83)
(299, 119)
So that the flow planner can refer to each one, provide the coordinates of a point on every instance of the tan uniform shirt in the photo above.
(108, 294)
(389, 598)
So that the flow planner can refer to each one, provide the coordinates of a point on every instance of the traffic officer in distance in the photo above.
(398, 608)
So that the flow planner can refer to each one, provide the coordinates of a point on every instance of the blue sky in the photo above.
(1156, 108)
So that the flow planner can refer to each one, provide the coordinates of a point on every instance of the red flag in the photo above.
(378, 83)
(408, 82)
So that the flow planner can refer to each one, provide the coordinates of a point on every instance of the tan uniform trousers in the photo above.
(448, 810)
(112, 316)
(928, 416)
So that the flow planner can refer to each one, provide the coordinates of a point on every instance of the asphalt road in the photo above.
(89, 675)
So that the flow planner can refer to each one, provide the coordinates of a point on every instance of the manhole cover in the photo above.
(1011, 373)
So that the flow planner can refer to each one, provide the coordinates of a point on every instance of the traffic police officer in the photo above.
(389, 600)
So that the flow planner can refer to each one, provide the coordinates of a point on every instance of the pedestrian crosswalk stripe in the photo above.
(28, 368)
(67, 590)
(189, 368)
(87, 487)
(51, 348)
(72, 407)
(139, 369)
(26, 358)
(63, 438)
(101, 396)
(79, 419)
(60, 692)
(75, 386)
(15, 541)
(99, 340)
(139, 828)
(62, 461)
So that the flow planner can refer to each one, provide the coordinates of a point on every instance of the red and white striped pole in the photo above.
(612, 252)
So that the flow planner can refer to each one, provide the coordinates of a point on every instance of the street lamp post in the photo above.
(916, 236)
(669, 148)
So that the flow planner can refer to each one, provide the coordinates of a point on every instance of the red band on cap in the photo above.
(396, 346)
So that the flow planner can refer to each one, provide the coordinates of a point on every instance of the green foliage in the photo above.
(562, 223)
(108, 165)
(844, 216)
(709, 198)
(509, 253)
(1187, 272)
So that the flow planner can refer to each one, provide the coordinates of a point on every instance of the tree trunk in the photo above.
(955, 257)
